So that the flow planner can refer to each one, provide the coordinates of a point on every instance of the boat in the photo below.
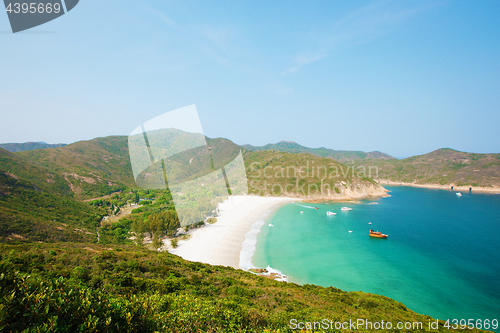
(301, 212)
(345, 209)
(377, 234)
(369, 223)
(271, 225)
(330, 213)
(316, 208)
(459, 194)
(350, 231)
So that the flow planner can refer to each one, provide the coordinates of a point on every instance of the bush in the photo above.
(28, 303)
(173, 242)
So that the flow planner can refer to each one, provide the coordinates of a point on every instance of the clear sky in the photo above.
(402, 77)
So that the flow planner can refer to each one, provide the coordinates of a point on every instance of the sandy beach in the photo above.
(442, 187)
(221, 243)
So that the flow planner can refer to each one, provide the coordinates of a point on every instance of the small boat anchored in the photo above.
(458, 194)
(377, 234)
(330, 213)
(345, 209)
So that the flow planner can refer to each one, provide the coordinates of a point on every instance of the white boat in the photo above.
(369, 223)
(459, 194)
(345, 209)
(350, 231)
(330, 213)
(271, 225)
(301, 212)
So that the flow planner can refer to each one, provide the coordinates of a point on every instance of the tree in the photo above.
(157, 242)
(173, 242)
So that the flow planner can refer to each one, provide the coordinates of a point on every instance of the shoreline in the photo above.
(221, 243)
(481, 189)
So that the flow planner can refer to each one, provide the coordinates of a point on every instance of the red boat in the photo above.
(377, 234)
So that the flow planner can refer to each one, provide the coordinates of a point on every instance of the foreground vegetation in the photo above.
(77, 287)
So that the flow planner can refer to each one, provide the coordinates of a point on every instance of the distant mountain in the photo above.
(337, 155)
(16, 147)
(443, 166)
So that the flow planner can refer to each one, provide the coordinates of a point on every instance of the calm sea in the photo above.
(442, 256)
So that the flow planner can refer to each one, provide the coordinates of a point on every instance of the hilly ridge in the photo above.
(16, 147)
(337, 155)
(443, 166)
(102, 166)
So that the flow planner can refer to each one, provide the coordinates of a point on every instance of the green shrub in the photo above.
(173, 242)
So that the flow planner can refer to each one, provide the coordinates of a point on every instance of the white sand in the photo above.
(221, 243)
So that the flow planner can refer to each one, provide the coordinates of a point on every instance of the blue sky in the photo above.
(402, 77)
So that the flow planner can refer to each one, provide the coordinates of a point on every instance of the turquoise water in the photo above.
(442, 257)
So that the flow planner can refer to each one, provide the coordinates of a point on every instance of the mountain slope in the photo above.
(36, 204)
(337, 155)
(16, 147)
(39, 177)
(92, 168)
(442, 166)
(102, 166)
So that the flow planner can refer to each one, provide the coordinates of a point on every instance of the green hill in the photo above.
(442, 166)
(16, 147)
(36, 204)
(337, 155)
(91, 168)
(276, 173)
(40, 177)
